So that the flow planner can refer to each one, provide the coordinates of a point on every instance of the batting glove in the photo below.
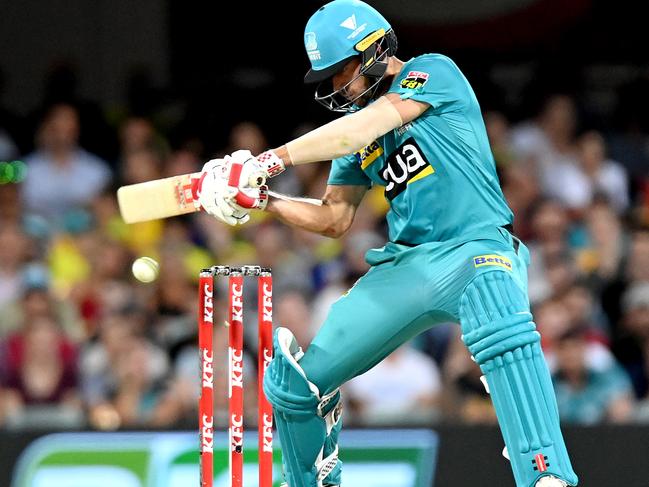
(216, 196)
(248, 174)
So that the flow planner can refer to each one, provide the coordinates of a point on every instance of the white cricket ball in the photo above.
(145, 269)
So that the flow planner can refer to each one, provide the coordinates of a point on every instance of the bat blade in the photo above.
(160, 198)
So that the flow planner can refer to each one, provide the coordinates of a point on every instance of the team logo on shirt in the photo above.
(405, 165)
(369, 154)
(492, 259)
(414, 80)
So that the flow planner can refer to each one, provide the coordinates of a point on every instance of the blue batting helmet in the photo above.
(339, 31)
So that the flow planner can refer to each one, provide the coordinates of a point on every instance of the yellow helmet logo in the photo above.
(369, 40)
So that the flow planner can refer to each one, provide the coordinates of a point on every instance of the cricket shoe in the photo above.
(550, 481)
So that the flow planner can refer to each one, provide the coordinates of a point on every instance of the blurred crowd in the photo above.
(83, 344)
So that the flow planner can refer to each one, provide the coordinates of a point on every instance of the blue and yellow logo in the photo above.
(369, 154)
(491, 259)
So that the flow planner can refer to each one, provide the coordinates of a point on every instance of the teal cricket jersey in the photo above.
(438, 171)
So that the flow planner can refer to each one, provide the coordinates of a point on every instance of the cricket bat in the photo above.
(160, 198)
(164, 198)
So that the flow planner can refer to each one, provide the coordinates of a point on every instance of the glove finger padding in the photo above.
(223, 198)
(218, 214)
(251, 198)
(244, 218)
(230, 213)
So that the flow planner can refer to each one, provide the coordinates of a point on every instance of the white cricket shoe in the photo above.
(550, 481)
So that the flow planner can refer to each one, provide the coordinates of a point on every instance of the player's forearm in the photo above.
(342, 136)
(320, 218)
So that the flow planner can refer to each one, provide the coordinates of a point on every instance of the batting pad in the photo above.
(308, 424)
(498, 330)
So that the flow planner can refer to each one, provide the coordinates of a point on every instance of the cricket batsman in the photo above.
(415, 128)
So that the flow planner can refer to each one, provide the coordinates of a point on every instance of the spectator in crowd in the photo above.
(547, 147)
(583, 306)
(602, 176)
(635, 269)
(95, 362)
(499, 132)
(36, 299)
(553, 319)
(182, 161)
(138, 133)
(104, 288)
(174, 319)
(393, 393)
(11, 211)
(549, 242)
(61, 176)
(246, 135)
(139, 138)
(41, 370)
(587, 395)
(638, 263)
(518, 183)
(602, 257)
(139, 383)
(632, 340)
(140, 166)
(556, 318)
(561, 272)
(550, 134)
(61, 86)
(123, 374)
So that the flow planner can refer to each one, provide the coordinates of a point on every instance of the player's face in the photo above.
(351, 84)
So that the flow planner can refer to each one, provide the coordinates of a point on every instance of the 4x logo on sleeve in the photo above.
(414, 80)
(403, 166)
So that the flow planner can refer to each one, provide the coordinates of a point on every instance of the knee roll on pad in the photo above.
(308, 423)
(498, 330)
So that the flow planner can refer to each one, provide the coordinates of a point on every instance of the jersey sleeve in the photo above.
(346, 170)
(432, 79)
